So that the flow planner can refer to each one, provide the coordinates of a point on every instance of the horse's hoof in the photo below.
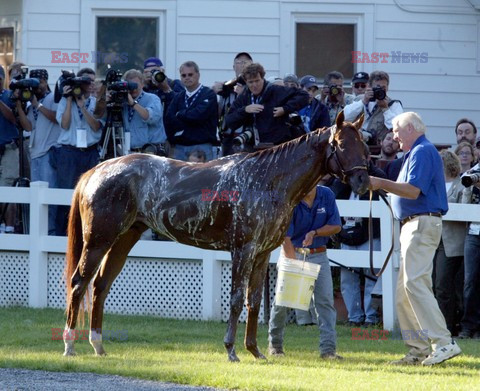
(99, 350)
(260, 356)
(233, 357)
(69, 353)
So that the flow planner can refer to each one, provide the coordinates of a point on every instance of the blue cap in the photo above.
(152, 62)
(308, 81)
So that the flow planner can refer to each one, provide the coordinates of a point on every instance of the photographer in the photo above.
(156, 82)
(79, 136)
(44, 138)
(470, 323)
(143, 118)
(9, 157)
(264, 108)
(227, 93)
(378, 108)
(333, 95)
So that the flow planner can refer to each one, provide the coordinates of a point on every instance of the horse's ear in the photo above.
(340, 119)
(359, 122)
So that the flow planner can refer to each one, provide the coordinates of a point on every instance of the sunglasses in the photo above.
(184, 75)
(360, 85)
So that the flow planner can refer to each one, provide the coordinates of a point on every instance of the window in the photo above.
(322, 47)
(125, 42)
(6, 47)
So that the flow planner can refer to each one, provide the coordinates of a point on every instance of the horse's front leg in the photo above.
(254, 299)
(241, 269)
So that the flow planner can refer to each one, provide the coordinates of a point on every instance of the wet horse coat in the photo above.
(119, 199)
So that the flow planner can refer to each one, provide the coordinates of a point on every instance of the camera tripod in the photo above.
(114, 144)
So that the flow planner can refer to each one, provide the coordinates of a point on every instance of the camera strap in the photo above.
(131, 110)
(87, 104)
(35, 110)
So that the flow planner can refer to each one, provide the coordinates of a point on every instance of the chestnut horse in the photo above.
(117, 200)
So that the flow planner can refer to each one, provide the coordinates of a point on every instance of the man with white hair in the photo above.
(419, 200)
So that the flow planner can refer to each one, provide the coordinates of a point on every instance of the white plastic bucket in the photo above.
(295, 283)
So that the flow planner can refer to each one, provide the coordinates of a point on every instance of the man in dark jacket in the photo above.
(315, 114)
(192, 116)
(354, 236)
(263, 108)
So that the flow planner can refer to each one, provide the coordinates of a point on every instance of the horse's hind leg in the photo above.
(241, 269)
(89, 261)
(254, 299)
(109, 270)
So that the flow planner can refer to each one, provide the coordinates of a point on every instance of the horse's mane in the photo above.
(284, 149)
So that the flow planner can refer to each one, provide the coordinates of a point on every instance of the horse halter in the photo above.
(333, 153)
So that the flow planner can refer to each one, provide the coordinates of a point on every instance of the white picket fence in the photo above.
(163, 278)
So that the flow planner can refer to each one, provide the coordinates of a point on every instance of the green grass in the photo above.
(191, 352)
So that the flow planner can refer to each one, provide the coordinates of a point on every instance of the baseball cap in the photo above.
(2, 72)
(39, 74)
(244, 54)
(290, 77)
(360, 77)
(308, 81)
(152, 62)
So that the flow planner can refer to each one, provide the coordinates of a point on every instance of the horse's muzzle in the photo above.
(359, 181)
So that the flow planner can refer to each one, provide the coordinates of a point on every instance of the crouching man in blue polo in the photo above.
(314, 220)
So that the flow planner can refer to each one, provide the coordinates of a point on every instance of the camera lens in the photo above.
(158, 76)
(334, 90)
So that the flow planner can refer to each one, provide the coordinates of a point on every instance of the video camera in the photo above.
(119, 91)
(378, 94)
(26, 87)
(228, 86)
(471, 178)
(69, 79)
(119, 88)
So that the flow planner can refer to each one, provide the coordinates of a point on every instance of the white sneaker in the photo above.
(443, 353)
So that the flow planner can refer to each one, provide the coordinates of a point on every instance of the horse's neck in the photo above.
(298, 167)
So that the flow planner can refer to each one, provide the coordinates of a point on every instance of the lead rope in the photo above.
(370, 234)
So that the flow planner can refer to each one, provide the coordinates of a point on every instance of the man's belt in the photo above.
(407, 219)
(73, 148)
(306, 250)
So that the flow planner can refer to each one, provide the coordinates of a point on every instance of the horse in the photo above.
(207, 205)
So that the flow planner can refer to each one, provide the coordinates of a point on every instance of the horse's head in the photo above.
(347, 157)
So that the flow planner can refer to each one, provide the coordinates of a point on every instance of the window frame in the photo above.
(12, 27)
(165, 12)
(361, 16)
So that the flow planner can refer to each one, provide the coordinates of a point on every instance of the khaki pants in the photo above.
(418, 312)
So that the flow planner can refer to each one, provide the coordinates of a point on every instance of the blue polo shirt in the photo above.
(324, 211)
(8, 131)
(422, 168)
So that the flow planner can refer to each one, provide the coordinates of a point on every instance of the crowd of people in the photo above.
(56, 137)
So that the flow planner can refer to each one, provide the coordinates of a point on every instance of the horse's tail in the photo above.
(74, 248)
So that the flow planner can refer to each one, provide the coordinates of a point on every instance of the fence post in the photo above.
(389, 277)
(38, 259)
(212, 275)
